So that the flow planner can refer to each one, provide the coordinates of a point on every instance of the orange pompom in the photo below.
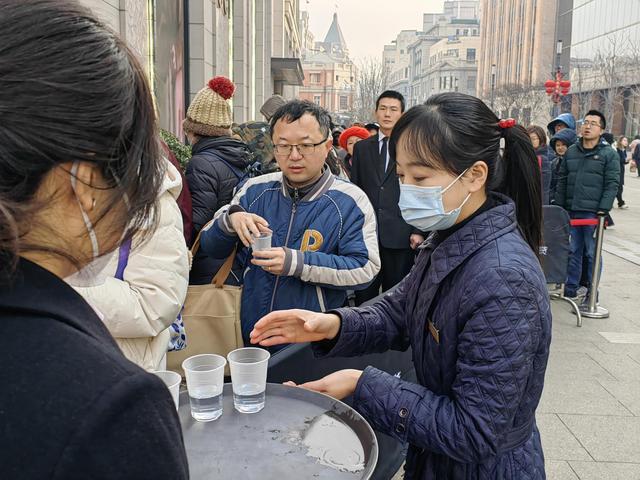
(222, 86)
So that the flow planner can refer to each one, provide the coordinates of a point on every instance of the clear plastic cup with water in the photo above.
(205, 380)
(249, 378)
(261, 242)
(172, 381)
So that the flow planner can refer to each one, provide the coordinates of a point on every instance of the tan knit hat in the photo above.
(209, 115)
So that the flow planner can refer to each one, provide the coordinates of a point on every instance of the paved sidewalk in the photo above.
(589, 416)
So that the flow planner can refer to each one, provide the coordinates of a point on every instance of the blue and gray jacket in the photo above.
(329, 237)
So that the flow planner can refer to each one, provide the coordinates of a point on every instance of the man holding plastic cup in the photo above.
(323, 229)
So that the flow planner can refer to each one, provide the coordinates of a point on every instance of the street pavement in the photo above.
(589, 414)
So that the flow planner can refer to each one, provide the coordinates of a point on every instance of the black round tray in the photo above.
(298, 434)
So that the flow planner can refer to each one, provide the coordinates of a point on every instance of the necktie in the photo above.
(383, 156)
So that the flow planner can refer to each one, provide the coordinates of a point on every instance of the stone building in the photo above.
(183, 43)
(443, 57)
(329, 74)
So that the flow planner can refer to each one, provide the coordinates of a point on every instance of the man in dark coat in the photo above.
(216, 167)
(587, 186)
(374, 171)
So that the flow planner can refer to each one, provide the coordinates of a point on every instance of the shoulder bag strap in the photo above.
(123, 259)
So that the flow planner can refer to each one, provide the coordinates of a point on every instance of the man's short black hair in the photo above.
(391, 94)
(596, 113)
(294, 109)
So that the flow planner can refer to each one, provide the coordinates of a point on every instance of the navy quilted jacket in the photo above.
(475, 311)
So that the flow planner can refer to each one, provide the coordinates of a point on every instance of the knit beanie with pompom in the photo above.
(209, 115)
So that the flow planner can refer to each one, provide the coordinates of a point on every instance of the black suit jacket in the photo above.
(72, 406)
(383, 191)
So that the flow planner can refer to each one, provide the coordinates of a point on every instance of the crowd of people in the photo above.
(583, 172)
(432, 216)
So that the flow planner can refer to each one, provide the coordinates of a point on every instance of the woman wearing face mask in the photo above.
(474, 308)
(80, 171)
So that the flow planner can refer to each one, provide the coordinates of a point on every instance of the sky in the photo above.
(368, 25)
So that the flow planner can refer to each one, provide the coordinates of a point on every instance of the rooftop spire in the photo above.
(334, 40)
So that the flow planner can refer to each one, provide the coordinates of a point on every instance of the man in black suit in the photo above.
(374, 171)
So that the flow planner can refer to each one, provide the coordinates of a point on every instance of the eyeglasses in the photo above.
(592, 124)
(303, 149)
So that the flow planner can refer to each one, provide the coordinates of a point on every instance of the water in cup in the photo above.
(249, 378)
(249, 397)
(206, 402)
(205, 381)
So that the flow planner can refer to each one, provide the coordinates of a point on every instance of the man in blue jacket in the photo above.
(323, 228)
(587, 186)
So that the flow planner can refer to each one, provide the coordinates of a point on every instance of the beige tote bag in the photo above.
(211, 317)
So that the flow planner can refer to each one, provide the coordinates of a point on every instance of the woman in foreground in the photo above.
(474, 308)
(80, 171)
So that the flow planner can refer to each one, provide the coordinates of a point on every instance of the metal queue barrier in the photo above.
(555, 253)
(592, 309)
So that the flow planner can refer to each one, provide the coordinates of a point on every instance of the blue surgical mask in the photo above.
(422, 207)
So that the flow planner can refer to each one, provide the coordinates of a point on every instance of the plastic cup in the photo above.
(249, 378)
(261, 242)
(172, 381)
(205, 380)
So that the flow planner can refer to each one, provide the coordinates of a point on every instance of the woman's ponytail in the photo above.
(8, 242)
(522, 182)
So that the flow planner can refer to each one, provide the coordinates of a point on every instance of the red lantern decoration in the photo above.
(557, 88)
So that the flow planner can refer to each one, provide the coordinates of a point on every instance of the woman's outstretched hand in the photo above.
(338, 385)
(294, 326)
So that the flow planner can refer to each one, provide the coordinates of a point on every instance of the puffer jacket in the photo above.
(544, 157)
(565, 118)
(138, 310)
(212, 182)
(568, 137)
(475, 311)
(329, 238)
(588, 180)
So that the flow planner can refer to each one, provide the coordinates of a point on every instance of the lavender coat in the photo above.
(475, 311)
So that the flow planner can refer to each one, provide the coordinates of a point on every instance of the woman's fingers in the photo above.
(271, 333)
(272, 341)
(316, 386)
(273, 317)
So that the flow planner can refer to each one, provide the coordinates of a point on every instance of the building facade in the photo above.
(396, 57)
(604, 48)
(330, 75)
(444, 56)
(515, 62)
(184, 43)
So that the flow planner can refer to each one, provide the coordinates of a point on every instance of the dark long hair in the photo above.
(452, 131)
(70, 90)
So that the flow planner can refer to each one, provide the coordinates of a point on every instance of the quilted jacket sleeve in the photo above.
(376, 328)
(496, 351)
(204, 184)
